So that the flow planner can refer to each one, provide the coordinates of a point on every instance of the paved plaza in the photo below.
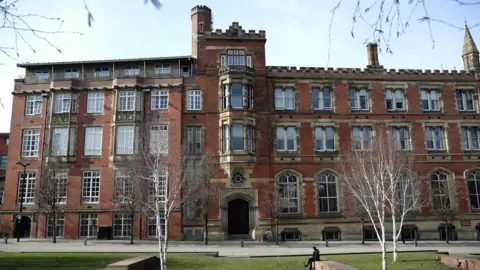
(231, 248)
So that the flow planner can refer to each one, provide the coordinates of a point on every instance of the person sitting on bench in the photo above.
(315, 258)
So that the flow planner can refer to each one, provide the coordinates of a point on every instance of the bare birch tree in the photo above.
(162, 163)
(383, 179)
(130, 195)
(442, 196)
(51, 192)
(204, 192)
(271, 203)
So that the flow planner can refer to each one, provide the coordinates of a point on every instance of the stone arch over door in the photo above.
(249, 195)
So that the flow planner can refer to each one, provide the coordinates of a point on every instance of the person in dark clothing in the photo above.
(315, 258)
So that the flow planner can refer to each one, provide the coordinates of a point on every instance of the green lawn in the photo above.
(75, 261)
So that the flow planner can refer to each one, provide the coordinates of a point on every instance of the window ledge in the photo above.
(29, 158)
(330, 215)
(397, 111)
(327, 152)
(467, 112)
(290, 216)
(432, 112)
(440, 152)
(287, 153)
(286, 110)
(320, 111)
(360, 111)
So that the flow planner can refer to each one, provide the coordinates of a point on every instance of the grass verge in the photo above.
(77, 261)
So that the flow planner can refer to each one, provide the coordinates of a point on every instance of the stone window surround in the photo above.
(450, 182)
(231, 79)
(339, 188)
(437, 123)
(409, 127)
(297, 126)
(360, 85)
(321, 86)
(300, 191)
(286, 84)
(336, 137)
(361, 123)
(467, 124)
(467, 87)
(428, 88)
(465, 178)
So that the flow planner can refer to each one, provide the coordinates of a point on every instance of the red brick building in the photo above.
(4, 141)
(265, 124)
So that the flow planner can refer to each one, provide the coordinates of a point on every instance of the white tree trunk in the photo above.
(394, 228)
(384, 256)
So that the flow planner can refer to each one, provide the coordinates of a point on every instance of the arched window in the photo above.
(440, 190)
(327, 193)
(288, 193)
(238, 178)
(474, 189)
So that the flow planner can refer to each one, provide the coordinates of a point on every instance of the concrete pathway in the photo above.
(230, 248)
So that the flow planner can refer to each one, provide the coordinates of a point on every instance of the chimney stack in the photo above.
(372, 53)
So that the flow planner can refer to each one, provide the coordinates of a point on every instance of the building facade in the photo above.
(264, 124)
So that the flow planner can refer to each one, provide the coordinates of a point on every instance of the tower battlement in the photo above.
(235, 31)
(201, 8)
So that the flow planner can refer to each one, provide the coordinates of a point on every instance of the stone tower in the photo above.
(470, 53)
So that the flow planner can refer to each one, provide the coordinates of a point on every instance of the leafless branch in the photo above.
(12, 20)
(384, 18)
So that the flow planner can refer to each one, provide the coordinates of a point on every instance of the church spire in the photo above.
(470, 52)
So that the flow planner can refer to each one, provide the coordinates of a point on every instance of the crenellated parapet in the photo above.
(235, 31)
(410, 74)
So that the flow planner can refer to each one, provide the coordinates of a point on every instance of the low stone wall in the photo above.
(331, 265)
(459, 263)
(144, 262)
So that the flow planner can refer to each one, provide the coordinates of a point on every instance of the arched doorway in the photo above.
(23, 226)
(238, 220)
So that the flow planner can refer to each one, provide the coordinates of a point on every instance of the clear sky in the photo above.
(297, 34)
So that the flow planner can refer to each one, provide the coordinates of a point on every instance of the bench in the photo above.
(459, 263)
(331, 265)
(143, 262)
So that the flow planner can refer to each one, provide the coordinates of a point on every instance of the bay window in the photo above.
(238, 138)
(237, 96)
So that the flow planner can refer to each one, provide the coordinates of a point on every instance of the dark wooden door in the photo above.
(238, 222)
